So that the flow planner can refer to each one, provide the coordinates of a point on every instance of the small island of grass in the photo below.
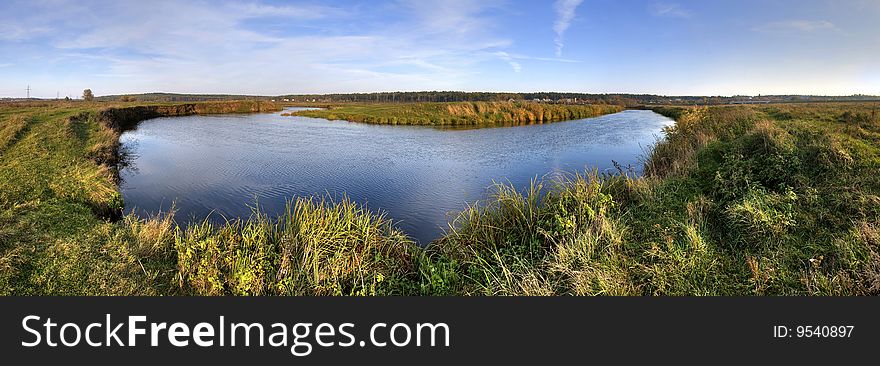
(459, 114)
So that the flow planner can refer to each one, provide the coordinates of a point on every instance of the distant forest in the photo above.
(568, 98)
(171, 97)
(454, 96)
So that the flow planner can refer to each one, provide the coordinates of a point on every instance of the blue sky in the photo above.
(719, 47)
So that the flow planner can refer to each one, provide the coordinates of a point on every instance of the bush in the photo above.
(857, 118)
(764, 158)
(824, 155)
(760, 218)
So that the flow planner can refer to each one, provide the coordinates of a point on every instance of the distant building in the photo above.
(751, 102)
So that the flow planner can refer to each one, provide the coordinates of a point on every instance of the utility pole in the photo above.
(29, 91)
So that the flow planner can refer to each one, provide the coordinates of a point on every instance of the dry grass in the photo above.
(460, 113)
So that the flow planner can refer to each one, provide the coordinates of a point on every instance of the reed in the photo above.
(317, 247)
(459, 114)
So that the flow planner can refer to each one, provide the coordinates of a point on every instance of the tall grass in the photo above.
(10, 130)
(563, 236)
(460, 113)
(317, 247)
(736, 201)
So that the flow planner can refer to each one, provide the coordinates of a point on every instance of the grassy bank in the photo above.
(745, 200)
(775, 200)
(459, 114)
(58, 184)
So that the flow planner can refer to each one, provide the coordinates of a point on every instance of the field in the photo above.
(746, 200)
(459, 114)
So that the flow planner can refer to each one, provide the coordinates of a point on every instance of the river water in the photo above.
(420, 176)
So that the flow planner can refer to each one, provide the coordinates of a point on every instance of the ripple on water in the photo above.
(420, 176)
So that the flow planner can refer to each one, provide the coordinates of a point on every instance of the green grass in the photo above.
(459, 114)
(53, 195)
(317, 248)
(744, 200)
(737, 201)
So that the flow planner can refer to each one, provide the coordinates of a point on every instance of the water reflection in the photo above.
(418, 175)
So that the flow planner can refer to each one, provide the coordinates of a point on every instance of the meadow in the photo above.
(737, 200)
(458, 113)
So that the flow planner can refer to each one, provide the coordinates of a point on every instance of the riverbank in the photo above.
(459, 113)
(747, 200)
(773, 200)
(59, 192)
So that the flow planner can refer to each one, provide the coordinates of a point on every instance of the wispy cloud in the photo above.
(134, 46)
(519, 57)
(565, 13)
(669, 10)
(516, 66)
(257, 10)
(796, 26)
(16, 33)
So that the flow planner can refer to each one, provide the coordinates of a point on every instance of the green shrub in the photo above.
(824, 155)
(763, 159)
(760, 218)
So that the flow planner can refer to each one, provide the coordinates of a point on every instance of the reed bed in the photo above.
(460, 113)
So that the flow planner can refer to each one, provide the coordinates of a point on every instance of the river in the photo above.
(420, 176)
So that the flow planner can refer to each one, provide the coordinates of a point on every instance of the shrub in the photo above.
(760, 218)
(856, 118)
(823, 155)
(764, 158)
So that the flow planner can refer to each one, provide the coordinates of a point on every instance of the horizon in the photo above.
(458, 91)
(275, 48)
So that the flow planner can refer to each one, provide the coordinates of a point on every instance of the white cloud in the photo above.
(516, 66)
(161, 45)
(513, 59)
(669, 10)
(565, 13)
(14, 33)
(796, 26)
(257, 10)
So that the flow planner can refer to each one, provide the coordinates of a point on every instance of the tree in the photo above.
(87, 95)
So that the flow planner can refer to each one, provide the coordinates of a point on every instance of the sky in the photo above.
(265, 47)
